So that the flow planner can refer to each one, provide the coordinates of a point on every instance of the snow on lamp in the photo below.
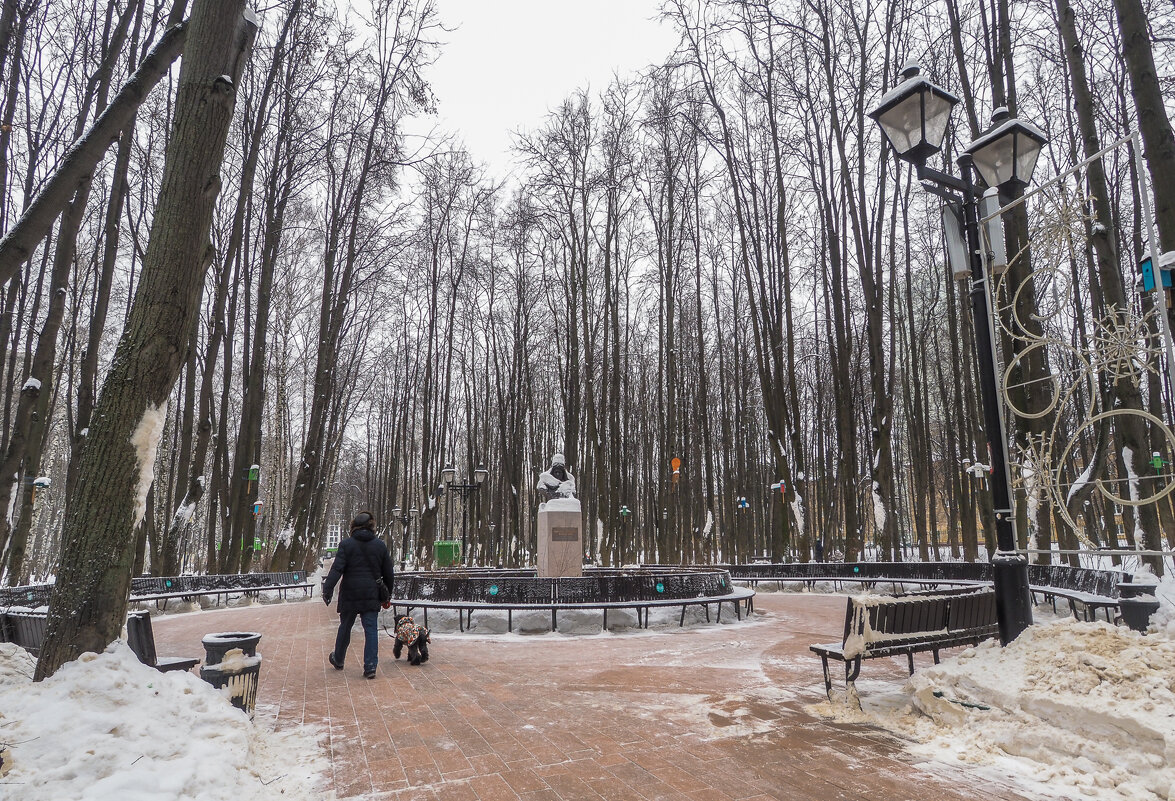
(1006, 155)
(914, 116)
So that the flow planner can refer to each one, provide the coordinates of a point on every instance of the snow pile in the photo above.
(16, 667)
(1079, 707)
(561, 505)
(108, 727)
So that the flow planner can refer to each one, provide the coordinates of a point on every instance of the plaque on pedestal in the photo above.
(560, 538)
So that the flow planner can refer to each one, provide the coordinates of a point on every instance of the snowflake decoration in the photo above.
(1034, 472)
(1120, 341)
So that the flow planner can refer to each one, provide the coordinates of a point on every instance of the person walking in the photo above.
(360, 562)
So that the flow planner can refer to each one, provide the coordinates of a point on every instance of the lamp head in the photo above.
(914, 115)
(1006, 155)
(449, 474)
(480, 474)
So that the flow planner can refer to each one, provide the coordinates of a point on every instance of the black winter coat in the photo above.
(361, 558)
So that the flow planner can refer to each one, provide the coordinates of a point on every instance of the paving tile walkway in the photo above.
(706, 713)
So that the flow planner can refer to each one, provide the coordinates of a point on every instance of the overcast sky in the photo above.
(508, 61)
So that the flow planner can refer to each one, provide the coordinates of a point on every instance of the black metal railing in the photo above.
(37, 595)
(597, 585)
(648, 582)
(1061, 577)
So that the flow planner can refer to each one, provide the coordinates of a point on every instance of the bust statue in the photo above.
(555, 481)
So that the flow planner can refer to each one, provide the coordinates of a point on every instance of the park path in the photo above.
(707, 713)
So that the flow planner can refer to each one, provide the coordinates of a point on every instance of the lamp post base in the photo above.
(1013, 598)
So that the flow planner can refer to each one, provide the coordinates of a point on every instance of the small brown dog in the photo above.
(416, 637)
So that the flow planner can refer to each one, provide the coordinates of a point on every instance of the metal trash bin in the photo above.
(1137, 602)
(231, 661)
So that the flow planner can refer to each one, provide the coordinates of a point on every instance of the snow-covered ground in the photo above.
(1076, 710)
(1071, 709)
(107, 727)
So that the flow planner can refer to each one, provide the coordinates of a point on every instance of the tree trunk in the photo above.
(89, 600)
(1157, 137)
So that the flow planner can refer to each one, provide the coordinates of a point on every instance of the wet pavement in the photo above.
(709, 712)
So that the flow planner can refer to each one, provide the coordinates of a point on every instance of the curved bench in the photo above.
(165, 588)
(161, 589)
(740, 598)
(603, 589)
(1086, 590)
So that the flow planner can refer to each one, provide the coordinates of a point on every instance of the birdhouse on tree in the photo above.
(40, 483)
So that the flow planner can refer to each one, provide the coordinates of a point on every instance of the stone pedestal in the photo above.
(560, 538)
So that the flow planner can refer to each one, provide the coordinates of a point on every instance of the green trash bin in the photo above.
(447, 552)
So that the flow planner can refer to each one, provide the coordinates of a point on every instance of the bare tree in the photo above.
(88, 604)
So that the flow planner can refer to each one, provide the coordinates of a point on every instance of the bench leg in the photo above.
(510, 620)
(935, 656)
(554, 625)
(827, 677)
(910, 657)
(681, 622)
(852, 670)
(605, 618)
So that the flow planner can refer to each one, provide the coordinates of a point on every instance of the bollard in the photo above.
(231, 661)
(1137, 602)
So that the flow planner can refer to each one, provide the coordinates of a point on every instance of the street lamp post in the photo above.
(781, 486)
(914, 117)
(405, 516)
(741, 505)
(625, 513)
(465, 487)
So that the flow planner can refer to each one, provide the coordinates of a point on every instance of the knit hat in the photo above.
(363, 520)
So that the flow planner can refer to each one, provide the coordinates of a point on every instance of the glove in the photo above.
(326, 598)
